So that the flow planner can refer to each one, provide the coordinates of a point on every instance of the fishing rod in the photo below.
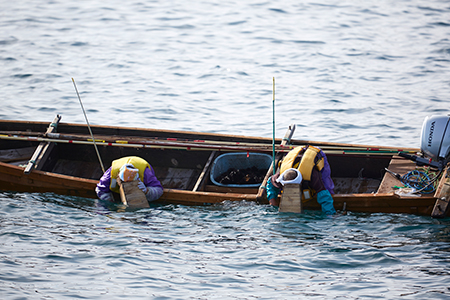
(87, 122)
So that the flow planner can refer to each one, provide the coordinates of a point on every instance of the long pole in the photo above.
(273, 127)
(105, 140)
(87, 122)
(57, 138)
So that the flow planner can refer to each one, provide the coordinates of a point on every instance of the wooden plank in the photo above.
(44, 148)
(131, 195)
(20, 154)
(397, 165)
(201, 178)
(175, 196)
(44, 156)
(291, 199)
(37, 181)
(380, 203)
(226, 189)
(441, 207)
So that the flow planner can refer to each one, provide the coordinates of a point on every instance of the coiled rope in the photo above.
(421, 181)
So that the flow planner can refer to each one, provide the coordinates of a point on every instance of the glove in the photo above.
(272, 191)
(106, 197)
(326, 201)
(142, 187)
(273, 179)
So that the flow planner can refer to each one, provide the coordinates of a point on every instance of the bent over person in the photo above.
(148, 182)
(312, 171)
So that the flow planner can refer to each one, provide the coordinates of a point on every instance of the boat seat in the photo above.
(91, 170)
(345, 185)
(397, 165)
(173, 178)
(16, 155)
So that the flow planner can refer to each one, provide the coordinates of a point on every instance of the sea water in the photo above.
(360, 72)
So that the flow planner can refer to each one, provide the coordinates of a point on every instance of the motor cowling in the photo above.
(435, 138)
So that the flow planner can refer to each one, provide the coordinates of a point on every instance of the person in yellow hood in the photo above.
(148, 182)
(313, 173)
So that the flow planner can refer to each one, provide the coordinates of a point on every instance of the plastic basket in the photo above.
(241, 160)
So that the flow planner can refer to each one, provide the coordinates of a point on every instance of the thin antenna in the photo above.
(85, 116)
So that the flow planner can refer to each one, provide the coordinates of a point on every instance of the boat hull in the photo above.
(13, 179)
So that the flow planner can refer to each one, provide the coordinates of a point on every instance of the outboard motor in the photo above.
(435, 137)
(435, 142)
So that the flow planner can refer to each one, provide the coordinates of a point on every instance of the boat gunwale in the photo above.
(171, 133)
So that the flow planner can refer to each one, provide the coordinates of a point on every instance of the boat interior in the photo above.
(190, 169)
(185, 167)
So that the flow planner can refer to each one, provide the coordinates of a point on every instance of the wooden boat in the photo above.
(61, 158)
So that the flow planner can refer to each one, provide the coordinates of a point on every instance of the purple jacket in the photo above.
(326, 174)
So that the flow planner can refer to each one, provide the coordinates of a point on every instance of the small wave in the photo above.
(79, 44)
(376, 78)
(349, 111)
(47, 109)
(440, 24)
(278, 10)
(236, 23)
(308, 42)
(431, 9)
(389, 57)
(9, 41)
(184, 26)
(22, 75)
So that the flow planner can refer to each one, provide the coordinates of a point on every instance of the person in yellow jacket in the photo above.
(148, 182)
(313, 173)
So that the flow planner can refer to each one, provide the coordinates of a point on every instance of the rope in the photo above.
(421, 181)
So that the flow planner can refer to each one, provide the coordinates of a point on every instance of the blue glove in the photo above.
(326, 201)
(142, 187)
(271, 190)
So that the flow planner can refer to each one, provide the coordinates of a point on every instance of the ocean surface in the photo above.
(362, 72)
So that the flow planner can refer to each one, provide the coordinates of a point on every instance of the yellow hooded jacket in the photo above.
(306, 164)
(139, 163)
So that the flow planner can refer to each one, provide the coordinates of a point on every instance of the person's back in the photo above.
(318, 178)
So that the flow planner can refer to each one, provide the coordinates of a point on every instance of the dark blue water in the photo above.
(348, 71)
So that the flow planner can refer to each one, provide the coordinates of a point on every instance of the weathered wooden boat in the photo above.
(61, 158)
